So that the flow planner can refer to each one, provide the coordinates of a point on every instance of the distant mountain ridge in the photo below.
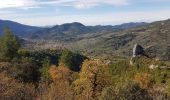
(17, 28)
(60, 32)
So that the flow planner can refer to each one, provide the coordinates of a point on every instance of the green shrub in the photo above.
(23, 52)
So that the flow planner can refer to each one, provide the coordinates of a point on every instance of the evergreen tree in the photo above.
(9, 45)
(72, 60)
(67, 59)
(45, 67)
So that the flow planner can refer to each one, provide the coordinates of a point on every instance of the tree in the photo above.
(25, 71)
(93, 78)
(9, 45)
(61, 88)
(71, 60)
(45, 67)
(66, 58)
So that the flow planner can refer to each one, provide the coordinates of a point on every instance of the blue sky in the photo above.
(88, 12)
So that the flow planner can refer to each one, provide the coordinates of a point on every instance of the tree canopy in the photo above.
(9, 45)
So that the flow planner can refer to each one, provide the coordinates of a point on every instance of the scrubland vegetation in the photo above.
(64, 75)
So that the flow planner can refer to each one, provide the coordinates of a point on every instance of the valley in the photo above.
(154, 37)
(77, 62)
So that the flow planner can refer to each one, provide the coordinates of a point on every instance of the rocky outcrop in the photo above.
(138, 50)
(153, 66)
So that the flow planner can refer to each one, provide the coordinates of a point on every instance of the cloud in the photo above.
(17, 3)
(114, 17)
(80, 4)
(149, 1)
(90, 3)
(96, 19)
(73, 3)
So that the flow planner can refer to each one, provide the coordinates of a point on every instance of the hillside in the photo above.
(17, 28)
(58, 31)
(70, 31)
(106, 40)
(153, 37)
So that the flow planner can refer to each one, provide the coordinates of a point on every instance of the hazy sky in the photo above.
(88, 12)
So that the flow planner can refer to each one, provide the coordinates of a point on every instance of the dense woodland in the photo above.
(66, 75)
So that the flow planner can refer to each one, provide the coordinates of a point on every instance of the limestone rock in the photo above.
(138, 50)
(153, 66)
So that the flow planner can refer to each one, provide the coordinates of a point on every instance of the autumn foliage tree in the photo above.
(94, 76)
(60, 89)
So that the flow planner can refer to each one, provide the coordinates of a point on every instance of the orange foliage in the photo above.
(12, 89)
(60, 89)
(143, 79)
(94, 76)
(60, 73)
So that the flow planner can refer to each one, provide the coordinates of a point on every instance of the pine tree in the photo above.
(45, 67)
(9, 45)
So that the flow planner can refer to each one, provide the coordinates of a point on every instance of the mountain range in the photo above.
(72, 30)
(67, 30)
(17, 28)
(98, 40)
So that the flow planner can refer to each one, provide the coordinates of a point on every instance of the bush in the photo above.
(26, 71)
(128, 91)
(11, 89)
(144, 80)
(23, 52)
(61, 88)
(57, 91)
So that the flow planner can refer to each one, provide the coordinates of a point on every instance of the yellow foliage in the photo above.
(93, 78)
(10, 88)
(60, 89)
(60, 73)
(143, 79)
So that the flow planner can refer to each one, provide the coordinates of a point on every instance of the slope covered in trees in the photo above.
(154, 37)
(71, 31)
(65, 75)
